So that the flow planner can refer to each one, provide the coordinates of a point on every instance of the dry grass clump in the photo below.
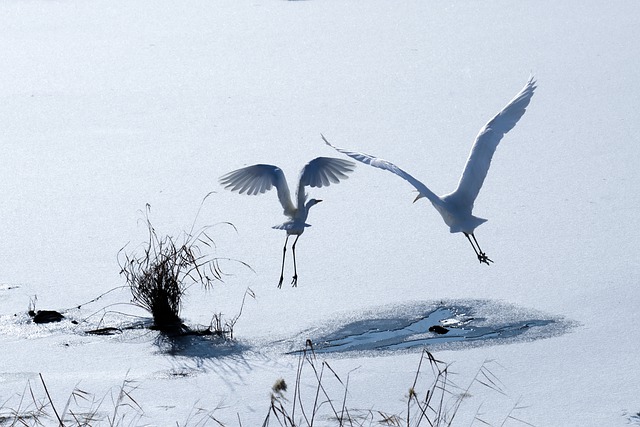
(166, 268)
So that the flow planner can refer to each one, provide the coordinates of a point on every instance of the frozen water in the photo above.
(466, 323)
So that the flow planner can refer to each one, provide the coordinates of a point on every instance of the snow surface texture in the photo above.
(109, 105)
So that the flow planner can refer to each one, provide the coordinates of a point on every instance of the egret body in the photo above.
(456, 207)
(257, 179)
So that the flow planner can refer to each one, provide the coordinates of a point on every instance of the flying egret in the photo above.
(256, 179)
(455, 208)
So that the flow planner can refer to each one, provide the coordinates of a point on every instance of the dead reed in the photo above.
(433, 400)
(160, 275)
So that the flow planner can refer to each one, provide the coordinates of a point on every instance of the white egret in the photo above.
(256, 179)
(455, 208)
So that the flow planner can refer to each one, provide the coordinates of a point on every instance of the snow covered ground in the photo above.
(106, 106)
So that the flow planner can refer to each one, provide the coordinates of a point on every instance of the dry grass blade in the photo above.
(509, 416)
(51, 401)
(126, 401)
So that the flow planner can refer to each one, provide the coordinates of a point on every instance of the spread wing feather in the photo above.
(477, 166)
(323, 171)
(379, 163)
(258, 179)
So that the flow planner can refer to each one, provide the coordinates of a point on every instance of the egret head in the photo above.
(313, 202)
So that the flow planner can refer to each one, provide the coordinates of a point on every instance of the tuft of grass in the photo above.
(433, 399)
(279, 387)
(320, 405)
(117, 408)
(166, 268)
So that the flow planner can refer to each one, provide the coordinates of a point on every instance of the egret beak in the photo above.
(318, 200)
(418, 197)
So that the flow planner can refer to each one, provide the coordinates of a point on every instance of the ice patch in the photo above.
(442, 325)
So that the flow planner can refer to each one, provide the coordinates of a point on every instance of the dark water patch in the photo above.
(45, 316)
(436, 326)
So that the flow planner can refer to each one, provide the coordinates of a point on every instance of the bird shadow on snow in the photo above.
(443, 325)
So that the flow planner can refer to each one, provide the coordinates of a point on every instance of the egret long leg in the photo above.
(482, 257)
(294, 282)
(284, 251)
(472, 245)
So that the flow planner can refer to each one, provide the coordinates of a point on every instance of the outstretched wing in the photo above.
(322, 172)
(257, 179)
(477, 166)
(386, 165)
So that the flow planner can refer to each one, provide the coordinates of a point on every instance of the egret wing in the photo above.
(379, 163)
(257, 179)
(323, 171)
(477, 166)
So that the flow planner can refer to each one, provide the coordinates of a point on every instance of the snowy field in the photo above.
(107, 106)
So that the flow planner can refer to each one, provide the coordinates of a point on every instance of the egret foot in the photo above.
(280, 282)
(294, 281)
(483, 258)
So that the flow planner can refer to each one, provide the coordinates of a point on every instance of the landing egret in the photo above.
(256, 179)
(455, 208)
